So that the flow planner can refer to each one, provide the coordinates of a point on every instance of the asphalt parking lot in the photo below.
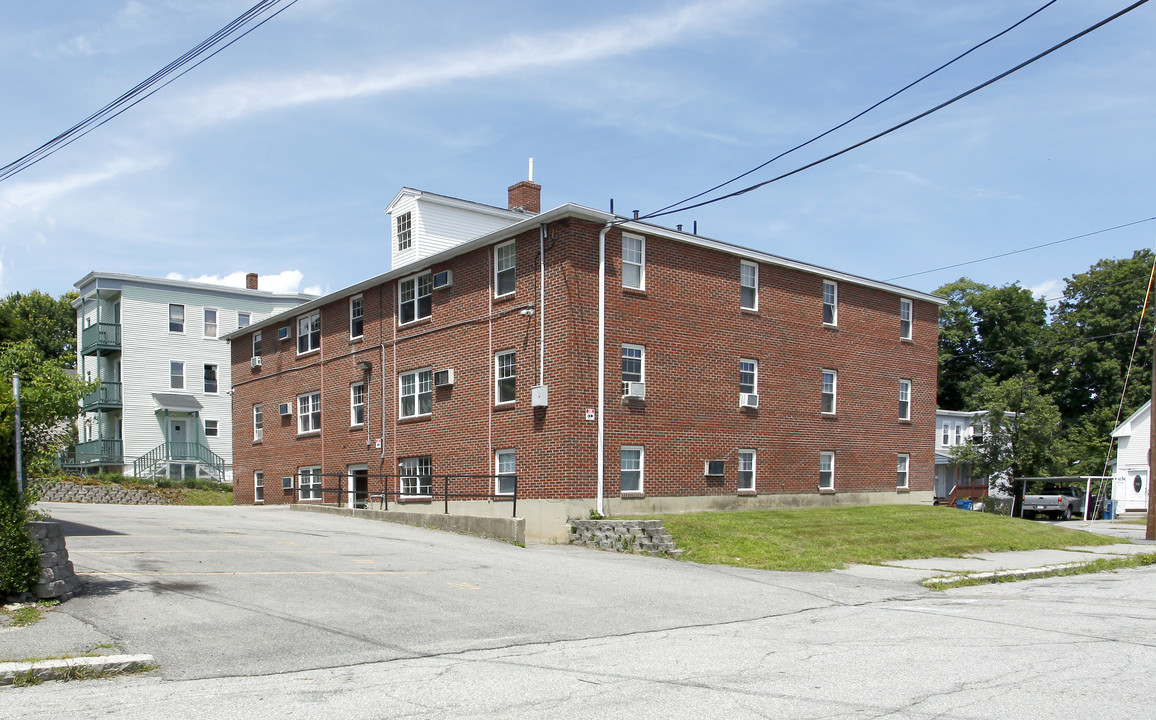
(218, 592)
(267, 613)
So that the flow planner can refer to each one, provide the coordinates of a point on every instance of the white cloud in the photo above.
(286, 281)
(505, 56)
(36, 195)
(1048, 289)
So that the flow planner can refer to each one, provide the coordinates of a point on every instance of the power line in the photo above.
(152, 84)
(907, 122)
(858, 115)
(1073, 341)
(1022, 250)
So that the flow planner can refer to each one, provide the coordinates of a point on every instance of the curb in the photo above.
(72, 668)
(995, 574)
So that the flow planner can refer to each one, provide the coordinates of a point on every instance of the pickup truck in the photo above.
(1060, 503)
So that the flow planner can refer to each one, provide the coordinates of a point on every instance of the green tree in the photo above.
(1094, 334)
(1019, 433)
(48, 323)
(986, 332)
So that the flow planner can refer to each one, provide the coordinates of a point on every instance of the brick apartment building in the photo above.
(730, 378)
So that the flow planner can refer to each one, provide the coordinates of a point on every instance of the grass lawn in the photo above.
(815, 539)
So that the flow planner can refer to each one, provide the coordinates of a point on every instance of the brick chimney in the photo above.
(526, 196)
(251, 281)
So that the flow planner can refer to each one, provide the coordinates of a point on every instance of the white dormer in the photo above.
(424, 224)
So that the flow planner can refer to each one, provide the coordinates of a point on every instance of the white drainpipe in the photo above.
(602, 361)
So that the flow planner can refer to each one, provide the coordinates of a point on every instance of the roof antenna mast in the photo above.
(531, 178)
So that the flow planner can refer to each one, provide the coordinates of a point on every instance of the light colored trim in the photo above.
(218, 428)
(259, 484)
(184, 376)
(906, 383)
(416, 297)
(907, 302)
(825, 454)
(748, 264)
(834, 391)
(497, 248)
(906, 471)
(205, 323)
(258, 432)
(641, 264)
(362, 299)
(364, 404)
(417, 393)
(218, 379)
(497, 469)
(184, 318)
(754, 470)
(755, 386)
(297, 331)
(301, 415)
(834, 303)
(641, 489)
(498, 378)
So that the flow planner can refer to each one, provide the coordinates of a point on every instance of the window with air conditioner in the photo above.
(634, 371)
(713, 468)
(748, 383)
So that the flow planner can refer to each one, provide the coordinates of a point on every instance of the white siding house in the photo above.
(955, 427)
(164, 406)
(425, 224)
(1130, 474)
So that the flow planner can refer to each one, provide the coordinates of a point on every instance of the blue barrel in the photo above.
(963, 504)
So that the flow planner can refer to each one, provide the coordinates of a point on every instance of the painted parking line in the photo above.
(203, 552)
(267, 572)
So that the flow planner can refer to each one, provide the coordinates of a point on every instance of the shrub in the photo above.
(19, 552)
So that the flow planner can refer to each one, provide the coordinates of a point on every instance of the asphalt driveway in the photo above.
(213, 592)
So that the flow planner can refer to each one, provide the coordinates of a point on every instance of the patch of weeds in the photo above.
(1096, 566)
(105, 646)
(25, 615)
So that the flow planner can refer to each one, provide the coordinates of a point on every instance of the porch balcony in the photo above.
(100, 337)
(105, 397)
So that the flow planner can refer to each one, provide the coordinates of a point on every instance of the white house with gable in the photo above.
(164, 406)
(1130, 476)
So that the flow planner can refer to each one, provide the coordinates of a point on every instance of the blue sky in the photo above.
(279, 155)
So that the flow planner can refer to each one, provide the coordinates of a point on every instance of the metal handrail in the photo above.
(179, 451)
(445, 493)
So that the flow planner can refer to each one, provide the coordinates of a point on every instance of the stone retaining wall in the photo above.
(57, 579)
(64, 491)
(648, 537)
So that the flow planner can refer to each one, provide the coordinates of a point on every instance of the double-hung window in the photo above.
(309, 483)
(210, 379)
(904, 319)
(903, 462)
(631, 459)
(212, 428)
(309, 332)
(259, 486)
(257, 344)
(830, 303)
(416, 393)
(505, 256)
(258, 423)
(404, 234)
(308, 413)
(749, 283)
(357, 404)
(505, 464)
(176, 375)
(210, 322)
(356, 317)
(830, 383)
(746, 470)
(946, 434)
(415, 476)
(176, 318)
(633, 366)
(505, 377)
(243, 319)
(958, 433)
(413, 297)
(826, 471)
(633, 262)
(748, 377)
(904, 399)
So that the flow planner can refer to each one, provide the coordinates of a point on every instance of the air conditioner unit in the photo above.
(287, 483)
(443, 279)
(285, 408)
(443, 378)
(540, 396)
(748, 400)
(255, 361)
(712, 468)
(283, 333)
(636, 390)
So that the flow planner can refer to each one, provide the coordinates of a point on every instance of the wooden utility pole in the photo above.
(1150, 529)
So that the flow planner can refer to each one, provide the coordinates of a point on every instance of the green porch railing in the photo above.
(100, 336)
(92, 453)
(183, 452)
(106, 396)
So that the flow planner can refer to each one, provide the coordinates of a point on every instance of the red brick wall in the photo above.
(694, 332)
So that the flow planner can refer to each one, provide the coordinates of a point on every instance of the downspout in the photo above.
(602, 362)
(542, 232)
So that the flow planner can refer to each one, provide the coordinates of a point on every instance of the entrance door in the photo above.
(358, 486)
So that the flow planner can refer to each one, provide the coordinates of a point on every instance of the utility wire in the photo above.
(1073, 341)
(1022, 250)
(907, 122)
(152, 84)
(853, 118)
